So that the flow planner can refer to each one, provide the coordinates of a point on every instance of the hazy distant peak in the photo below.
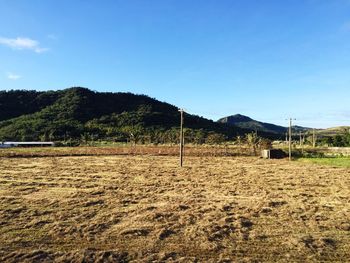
(246, 122)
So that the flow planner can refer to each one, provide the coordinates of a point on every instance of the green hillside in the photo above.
(79, 113)
(335, 136)
(333, 131)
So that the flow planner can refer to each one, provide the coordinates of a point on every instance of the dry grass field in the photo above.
(147, 209)
(159, 150)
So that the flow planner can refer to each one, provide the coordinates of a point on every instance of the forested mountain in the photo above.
(245, 122)
(81, 114)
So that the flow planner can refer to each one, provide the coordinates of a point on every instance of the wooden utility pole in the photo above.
(302, 138)
(300, 143)
(313, 138)
(290, 139)
(181, 136)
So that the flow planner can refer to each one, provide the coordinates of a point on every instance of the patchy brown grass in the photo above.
(157, 150)
(146, 208)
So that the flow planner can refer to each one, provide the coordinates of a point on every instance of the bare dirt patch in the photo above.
(146, 208)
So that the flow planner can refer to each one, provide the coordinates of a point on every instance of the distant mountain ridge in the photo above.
(246, 122)
(81, 114)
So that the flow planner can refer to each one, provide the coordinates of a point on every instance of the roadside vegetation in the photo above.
(342, 139)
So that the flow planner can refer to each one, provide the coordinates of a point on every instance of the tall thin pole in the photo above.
(290, 139)
(301, 141)
(313, 138)
(181, 136)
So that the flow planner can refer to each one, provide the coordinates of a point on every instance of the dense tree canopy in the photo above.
(81, 114)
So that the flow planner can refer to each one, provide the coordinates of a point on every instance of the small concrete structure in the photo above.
(273, 154)
(265, 154)
(25, 144)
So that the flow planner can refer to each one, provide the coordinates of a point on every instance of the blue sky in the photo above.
(267, 59)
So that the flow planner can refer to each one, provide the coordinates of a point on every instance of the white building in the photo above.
(25, 144)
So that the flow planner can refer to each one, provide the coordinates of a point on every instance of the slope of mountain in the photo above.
(333, 131)
(245, 122)
(79, 112)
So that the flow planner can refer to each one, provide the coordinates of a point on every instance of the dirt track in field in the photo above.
(133, 208)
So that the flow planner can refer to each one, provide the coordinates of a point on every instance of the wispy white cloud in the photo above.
(13, 76)
(21, 43)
